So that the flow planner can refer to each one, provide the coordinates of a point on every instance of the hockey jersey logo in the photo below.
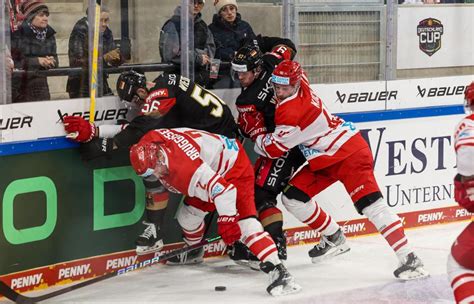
(216, 190)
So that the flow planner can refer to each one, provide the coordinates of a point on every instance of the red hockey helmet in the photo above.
(469, 98)
(288, 72)
(144, 157)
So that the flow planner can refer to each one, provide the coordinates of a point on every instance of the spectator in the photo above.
(230, 33)
(78, 85)
(9, 64)
(204, 47)
(33, 49)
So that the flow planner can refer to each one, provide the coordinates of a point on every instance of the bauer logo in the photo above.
(429, 31)
(18, 122)
(441, 91)
(353, 97)
(103, 115)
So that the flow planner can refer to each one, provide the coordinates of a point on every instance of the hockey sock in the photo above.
(390, 226)
(194, 236)
(156, 207)
(272, 221)
(263, 247)
(312, 215)
(462, 281)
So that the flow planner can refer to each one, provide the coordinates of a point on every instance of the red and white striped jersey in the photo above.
(302, 120)
(198, 162)
(464, 146)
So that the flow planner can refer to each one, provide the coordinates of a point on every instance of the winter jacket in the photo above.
(230, 37)
(170, 49)
(26, 49)
(78, 85)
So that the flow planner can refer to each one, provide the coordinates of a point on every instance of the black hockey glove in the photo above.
(97, 147)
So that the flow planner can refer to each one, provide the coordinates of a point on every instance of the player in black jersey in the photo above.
(171, 101)
(253, 64)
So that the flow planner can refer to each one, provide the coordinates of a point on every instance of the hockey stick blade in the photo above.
(14, 296)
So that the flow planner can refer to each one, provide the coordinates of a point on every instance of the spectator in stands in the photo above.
(33, 48)
(230, 33)
(204, 47)
(9, 63)
(78, 84)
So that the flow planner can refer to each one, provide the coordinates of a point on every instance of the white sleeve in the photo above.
(110, 131)
(210, 186)
(465, 160)
(274, 145)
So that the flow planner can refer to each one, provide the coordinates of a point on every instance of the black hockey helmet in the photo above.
(247, 58)
(128, 83)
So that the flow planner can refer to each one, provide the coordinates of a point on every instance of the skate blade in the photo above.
(415, 274)
(284, 290)
(142, 250)
(331, 253)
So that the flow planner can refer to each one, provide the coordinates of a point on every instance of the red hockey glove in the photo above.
(79, 129)
(464, 193)
(252, 124)
(228, 228)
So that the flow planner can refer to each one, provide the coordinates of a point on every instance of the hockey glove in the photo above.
(228, 228)
(252, 124)
(96, 148)
(464, 193)
(78, 129)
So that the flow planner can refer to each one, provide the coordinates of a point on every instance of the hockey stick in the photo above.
(14, 296)
(95, 59)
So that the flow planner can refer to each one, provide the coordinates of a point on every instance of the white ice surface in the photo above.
(362, 276)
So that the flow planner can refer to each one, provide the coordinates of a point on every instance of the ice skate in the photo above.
(195, 256)
(281, 281)
(241, 255)
(411, 269)
(329, 246)
(150, 240)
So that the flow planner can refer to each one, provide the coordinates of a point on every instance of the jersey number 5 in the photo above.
(206, 98)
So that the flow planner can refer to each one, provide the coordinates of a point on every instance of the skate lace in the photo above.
(322, 244)
(150, 231)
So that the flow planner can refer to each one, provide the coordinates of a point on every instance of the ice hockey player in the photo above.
(335, 151)
(254, 69)
(214, 173)
(168, 102)
(461, 258)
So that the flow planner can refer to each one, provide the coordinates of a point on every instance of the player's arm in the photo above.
(274, 145)
(464, 180)
(158, 102)
(212, 187)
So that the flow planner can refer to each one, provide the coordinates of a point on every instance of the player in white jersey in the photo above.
(214, 173)
(461, 258)
(335, 151)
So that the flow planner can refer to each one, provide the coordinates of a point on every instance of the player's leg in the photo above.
(368, 200)
(461, 266)
(259, 241)
(191, 219)
(151, 240)
(297, 198)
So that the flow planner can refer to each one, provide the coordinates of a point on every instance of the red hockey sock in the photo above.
(194, 236)
(263, 247)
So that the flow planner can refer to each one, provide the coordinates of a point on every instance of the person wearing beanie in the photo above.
(33, 48)
(230, 34)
